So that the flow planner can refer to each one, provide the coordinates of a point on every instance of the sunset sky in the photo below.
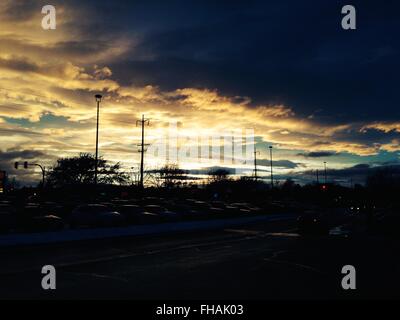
(285, 69)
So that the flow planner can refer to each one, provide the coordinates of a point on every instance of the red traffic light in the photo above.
(16, 165)
(26, 164)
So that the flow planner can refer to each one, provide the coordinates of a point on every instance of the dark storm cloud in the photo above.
(25, 177)
(7, 159)
(81, 48)
(371, 137)
(20, 154)
(317, 154)
(359, 169)
(283, 164)
(358, 173)
(206, 171)
(17, 132)
(21, 10)
(354, 174)
(386, 163)
(285, 51)
(19, 64)
(288, 52)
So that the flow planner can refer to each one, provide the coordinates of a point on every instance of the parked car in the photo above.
(163, 213)
(95, 215)
(217, 211)
(153, 208)
(52, 208)
(244, 208)
(232, 210)
(131, 212)
(149, 218)
(218, 204)
(46, 223)
(199, 209)
(183, 210)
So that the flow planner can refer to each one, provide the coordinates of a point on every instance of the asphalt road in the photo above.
(263, 261)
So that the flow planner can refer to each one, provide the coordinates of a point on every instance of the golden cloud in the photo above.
(58, 73)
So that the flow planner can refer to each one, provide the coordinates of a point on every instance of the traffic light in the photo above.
(16, 165)
(26, 164)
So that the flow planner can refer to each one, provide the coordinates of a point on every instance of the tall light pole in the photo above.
(272, 175)
(255, 163)
(98, 100)
(142, 148)
(325, 170)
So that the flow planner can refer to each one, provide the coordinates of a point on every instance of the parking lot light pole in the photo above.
(272, 175)
(98, 100)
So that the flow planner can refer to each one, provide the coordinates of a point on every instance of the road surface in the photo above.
(258, 261)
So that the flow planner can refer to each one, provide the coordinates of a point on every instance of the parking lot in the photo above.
(45, 216)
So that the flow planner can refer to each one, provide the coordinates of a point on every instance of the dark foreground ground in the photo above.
(268, 261)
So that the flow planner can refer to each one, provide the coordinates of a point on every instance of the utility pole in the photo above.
(255, 163)
(98, 100)
(325, 170)
(272, 175)
(317, 178)
(142, 148)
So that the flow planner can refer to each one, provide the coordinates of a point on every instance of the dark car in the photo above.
(131, 212)
(95, 215)
(217, 212)
(161, 212)
(232, 210)
(46, 223)
(244, 208)
(149, 218)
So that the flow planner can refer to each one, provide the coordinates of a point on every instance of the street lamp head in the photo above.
(98, 97)
(270, 147)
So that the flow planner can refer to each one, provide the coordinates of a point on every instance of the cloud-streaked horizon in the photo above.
(315, 94)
